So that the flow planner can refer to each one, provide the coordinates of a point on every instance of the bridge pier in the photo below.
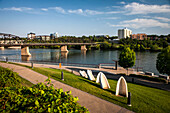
(64, 48)
(25, 51)
(2, 47)
(83, 48)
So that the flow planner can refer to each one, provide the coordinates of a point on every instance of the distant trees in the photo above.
(163, 61)
(141, 45)
(127, 58)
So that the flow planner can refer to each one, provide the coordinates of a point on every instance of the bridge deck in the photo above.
(46, 44)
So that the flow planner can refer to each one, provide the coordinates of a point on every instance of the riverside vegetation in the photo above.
(105, 43)
(38, 98)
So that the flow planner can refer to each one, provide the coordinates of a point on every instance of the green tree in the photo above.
(127, 58)
(163, 61)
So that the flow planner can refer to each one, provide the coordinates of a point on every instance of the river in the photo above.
(145, 60)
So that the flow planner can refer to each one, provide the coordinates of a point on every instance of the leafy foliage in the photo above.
(127, 58)
(38, 98)
(163, 61)
(8, 78)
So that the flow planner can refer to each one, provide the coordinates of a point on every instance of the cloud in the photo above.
(111, 18)
(44, 9)
(58, 9)
(20, 9)
(142, 23)
(93, 12)
(163, 19)
(136, 8)
(78, 11)
(122, 2)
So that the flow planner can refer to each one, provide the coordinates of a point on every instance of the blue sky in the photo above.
(84, 17)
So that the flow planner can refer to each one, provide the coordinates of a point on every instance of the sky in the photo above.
(84, 17)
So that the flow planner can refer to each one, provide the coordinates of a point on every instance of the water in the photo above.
(145, 60)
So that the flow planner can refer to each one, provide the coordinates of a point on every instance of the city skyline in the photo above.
(84, 17)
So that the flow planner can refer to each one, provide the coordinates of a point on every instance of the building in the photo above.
(124, 33)
(139, 36)
(31, 35)
(43, 37)
(54, 35)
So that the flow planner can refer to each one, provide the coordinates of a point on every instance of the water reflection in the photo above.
(25, 58)
(146, 60)
(64, 54)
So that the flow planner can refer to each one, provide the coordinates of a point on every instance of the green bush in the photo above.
(8, 78)
(149, 78)
(38, 98)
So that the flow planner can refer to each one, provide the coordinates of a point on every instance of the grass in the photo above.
(25, 82)
(144, 99)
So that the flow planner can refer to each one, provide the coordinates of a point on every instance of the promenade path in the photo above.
(110, 73)
(94, 104)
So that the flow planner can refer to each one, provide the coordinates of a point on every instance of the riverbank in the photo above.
(110, 74)
(142, 99)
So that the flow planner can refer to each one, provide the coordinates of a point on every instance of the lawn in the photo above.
(144, 99)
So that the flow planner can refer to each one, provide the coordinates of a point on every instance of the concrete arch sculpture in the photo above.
(101, 78)
(90, 75)
(121, 88)
(83, 74)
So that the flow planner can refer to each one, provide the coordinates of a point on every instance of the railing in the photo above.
(107, 65)
(50, 62)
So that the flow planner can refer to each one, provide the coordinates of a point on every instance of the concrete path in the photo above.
(110, 73)
(94, 104)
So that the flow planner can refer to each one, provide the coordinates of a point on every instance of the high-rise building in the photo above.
(124, 33)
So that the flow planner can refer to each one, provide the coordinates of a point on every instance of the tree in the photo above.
(127, 58)
(163, 61)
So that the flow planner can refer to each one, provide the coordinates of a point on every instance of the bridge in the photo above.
(25, 46)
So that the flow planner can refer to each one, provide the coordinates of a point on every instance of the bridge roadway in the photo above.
(45, 44)
(25, 46)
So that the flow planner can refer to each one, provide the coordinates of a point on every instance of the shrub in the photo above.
(38, 98)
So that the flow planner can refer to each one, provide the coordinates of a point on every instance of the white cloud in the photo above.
(142, 23)
(78, 11)
(44, 9)
(93, 12)
(163, 19)
(20, 9)
(58, 9)
(136, 8)
(122, 2)
(111, 18)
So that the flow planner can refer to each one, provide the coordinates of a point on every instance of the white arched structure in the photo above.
(83, 74)
(90, 75)
(121, 88)
(101, 78)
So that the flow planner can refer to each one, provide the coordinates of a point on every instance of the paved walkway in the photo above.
(94, 104)
(110, 73)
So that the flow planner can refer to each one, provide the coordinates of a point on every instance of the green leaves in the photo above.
(37, 103)
(163, 61)
(38, 98)
(127, 58)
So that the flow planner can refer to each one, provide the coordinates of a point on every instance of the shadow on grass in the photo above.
(90, 82)
(109, 98)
